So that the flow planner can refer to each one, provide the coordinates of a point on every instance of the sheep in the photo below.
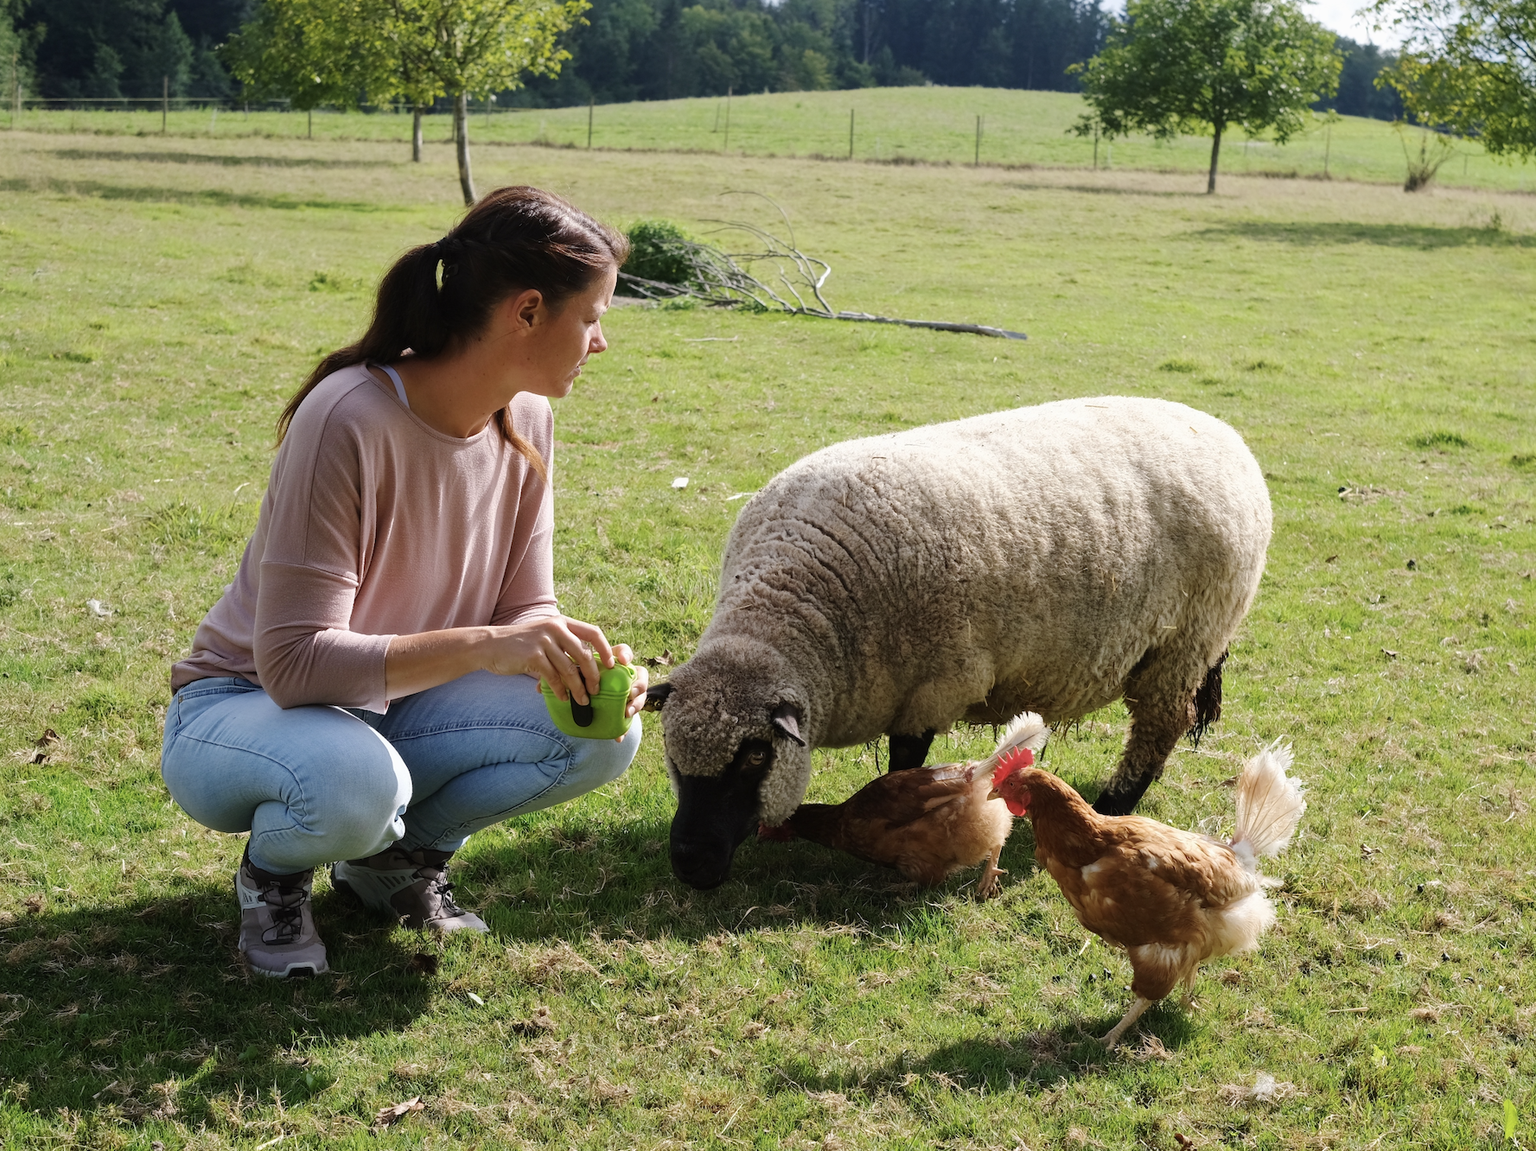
(1049, 559)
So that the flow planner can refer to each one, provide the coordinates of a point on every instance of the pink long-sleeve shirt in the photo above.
(376, 525)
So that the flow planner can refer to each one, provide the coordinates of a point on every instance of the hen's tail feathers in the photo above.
(1025, 730)
(1269, 804)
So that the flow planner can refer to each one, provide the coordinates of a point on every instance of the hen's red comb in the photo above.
(1014, 759)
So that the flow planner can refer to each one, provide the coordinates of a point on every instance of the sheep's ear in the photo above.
(656, 695)
(786, 721)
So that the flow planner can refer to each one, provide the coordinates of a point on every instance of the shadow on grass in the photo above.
(146, 1009)
(201, 196)
(218, 161)
(1106, 190)
(1424, 237)
(562, 882)
(997, 1063)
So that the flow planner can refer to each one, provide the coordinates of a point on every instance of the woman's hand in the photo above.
(642, 682)
(561, 651)
(565, 653)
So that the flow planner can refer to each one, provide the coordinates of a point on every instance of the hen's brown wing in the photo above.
(1152, 884)
(897, 800)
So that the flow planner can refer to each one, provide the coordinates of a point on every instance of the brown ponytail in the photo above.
(514, 239)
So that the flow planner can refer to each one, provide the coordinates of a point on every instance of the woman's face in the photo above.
(560, 340)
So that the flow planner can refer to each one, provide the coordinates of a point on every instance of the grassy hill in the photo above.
(932, 125)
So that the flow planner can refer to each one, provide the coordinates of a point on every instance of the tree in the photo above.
(461, 46)
(1177, 66)
(346, 52)
(1469, 66)
(108, 48)
(16, 48)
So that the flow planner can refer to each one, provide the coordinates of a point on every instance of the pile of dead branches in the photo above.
(770, 275)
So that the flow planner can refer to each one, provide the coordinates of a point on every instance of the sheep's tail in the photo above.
(1025, 730)
(1269, 805)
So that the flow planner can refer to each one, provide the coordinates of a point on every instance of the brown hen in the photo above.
(926, 822)
(1172, 899)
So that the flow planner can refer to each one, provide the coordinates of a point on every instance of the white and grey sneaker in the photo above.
(410, 885)
(277, 927)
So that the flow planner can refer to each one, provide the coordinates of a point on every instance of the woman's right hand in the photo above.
(565, 653)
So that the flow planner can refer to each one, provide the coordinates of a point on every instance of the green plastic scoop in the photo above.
(603, 717)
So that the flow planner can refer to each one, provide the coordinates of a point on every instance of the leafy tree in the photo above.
(1470, 66)
(108, 48)
(16, 52)
(1177, 65)
(313, 52)
(1359, 94)
(346, 52)
(455, 47)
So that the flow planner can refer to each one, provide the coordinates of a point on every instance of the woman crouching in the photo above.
(367, 688)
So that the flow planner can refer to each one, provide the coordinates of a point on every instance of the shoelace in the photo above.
(440, 891)
(287, 907)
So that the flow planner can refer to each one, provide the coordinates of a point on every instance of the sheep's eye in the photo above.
(756, 758)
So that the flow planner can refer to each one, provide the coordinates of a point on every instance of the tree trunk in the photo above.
(461, 134)
(1210, 183)
(416, 134)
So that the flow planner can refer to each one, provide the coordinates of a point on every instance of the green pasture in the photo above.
(159, 300)
(890, 125)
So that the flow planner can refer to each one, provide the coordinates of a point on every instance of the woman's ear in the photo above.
(524, 308)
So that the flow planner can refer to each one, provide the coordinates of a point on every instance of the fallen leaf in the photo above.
(1389, 653)
(33, 904)
(680, 483)
(48, 736)
(98, 608)
(390, 1115)
(475, 999)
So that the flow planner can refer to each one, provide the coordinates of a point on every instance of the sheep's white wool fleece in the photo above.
(1022, 560)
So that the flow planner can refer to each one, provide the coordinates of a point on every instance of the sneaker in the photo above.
(277, 928)
(411, 885)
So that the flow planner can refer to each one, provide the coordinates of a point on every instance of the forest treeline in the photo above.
(641, 49)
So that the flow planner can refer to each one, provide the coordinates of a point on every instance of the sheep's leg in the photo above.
(1160, 695)
(1141, 1004)
(989, 885)
(910, 750)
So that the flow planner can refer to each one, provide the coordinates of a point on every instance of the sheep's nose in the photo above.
(699, 865)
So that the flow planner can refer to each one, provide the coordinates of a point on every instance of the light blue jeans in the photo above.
(316, 784)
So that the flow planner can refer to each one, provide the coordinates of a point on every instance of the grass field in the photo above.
(160, 299)
(933, 125)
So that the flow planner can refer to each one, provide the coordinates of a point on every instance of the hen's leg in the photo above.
(1141, 1004)
(910, 750)
(988, 885)
(1189, 988)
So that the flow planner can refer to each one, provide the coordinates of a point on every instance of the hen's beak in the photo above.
(994, 794)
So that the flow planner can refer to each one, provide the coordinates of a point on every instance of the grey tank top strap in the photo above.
(399, 387)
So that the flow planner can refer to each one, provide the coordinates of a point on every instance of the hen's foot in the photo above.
(1111, 1039)
(989, 885)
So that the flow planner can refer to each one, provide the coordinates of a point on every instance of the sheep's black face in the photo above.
(715, 813)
